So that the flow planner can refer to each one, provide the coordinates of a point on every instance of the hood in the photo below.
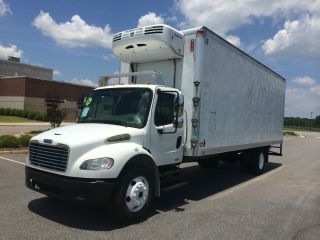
(86, 133)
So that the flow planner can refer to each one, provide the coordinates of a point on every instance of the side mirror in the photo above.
(181, 100)
(178, 122)
(178, 119)
(179, 103)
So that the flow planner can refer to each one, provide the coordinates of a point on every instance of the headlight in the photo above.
(97, 164)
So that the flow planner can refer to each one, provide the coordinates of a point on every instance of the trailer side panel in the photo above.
(241, 101)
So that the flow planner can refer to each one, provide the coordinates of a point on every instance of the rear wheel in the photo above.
(134, 195)
(254, 161)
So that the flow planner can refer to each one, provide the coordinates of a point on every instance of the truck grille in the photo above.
(47, 156)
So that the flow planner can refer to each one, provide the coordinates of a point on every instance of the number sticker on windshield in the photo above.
(89, 100)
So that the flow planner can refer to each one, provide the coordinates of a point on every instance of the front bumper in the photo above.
(97, 191)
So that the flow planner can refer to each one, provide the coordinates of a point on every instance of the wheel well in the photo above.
(148, 162)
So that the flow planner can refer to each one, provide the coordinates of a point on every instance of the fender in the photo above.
(147, 160)
(121, 153)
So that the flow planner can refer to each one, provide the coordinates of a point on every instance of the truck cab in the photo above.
(112, 155)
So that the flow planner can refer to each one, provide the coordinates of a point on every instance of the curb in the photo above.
(8, 152)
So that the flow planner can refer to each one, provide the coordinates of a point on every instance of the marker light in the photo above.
(119, 138)
(201, 33)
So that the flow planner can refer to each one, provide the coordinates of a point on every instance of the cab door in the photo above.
(167, 128)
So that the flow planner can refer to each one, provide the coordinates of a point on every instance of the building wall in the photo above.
(8, 68)
(55, 90)
(39, 105)
(31, 94)
(12, 102)
(12, 86)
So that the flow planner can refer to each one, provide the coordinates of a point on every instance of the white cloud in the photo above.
(150, 19)
(225, 15)
(57, 73)
(235, 40)
(74, 33)
(315, 89)
(4, 8)
(105, 57)
(306, 80)
(300, 102)
(299, 38)
(86, 82)
(12, 50)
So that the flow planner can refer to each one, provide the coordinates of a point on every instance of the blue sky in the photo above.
(74, 37)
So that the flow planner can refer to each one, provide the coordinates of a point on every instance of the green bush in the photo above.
(31, 115)
(45, 118)
(14, 112)
(24, 113)
(7, 111)
(38, 116)
(24, 140)
(19, 113)
(7, 141)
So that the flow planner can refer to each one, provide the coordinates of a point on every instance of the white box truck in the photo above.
(180, 96)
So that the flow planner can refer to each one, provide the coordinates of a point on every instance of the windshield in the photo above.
(121, 106)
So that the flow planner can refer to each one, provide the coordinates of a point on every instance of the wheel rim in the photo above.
(261, 161)
(137, 194)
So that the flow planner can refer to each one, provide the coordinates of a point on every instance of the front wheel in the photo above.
(134, 195)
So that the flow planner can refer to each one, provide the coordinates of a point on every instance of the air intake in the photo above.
(153, 29)
(117, 37)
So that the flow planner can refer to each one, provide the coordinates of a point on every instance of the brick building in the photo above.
(37, 94)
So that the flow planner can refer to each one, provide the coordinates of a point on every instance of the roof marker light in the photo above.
(201, 33)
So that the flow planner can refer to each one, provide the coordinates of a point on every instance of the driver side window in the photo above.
(164, 112)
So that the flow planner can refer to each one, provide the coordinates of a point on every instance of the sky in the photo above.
(74, 37)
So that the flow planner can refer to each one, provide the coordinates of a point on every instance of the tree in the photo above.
(317, 121)
(55, 116)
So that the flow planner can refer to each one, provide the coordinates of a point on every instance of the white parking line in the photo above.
(241, 185)
(10, 160)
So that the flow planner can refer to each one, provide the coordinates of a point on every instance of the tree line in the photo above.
(302, 122)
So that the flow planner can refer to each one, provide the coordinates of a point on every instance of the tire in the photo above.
(208, 163)
(257, 161)
(134, 194)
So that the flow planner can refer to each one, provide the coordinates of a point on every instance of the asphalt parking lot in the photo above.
(282, 203)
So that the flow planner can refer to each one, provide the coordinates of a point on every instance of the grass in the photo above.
(289, 133)
(301, 129)
(14, 119)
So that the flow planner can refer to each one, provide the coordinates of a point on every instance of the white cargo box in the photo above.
(240, 101)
